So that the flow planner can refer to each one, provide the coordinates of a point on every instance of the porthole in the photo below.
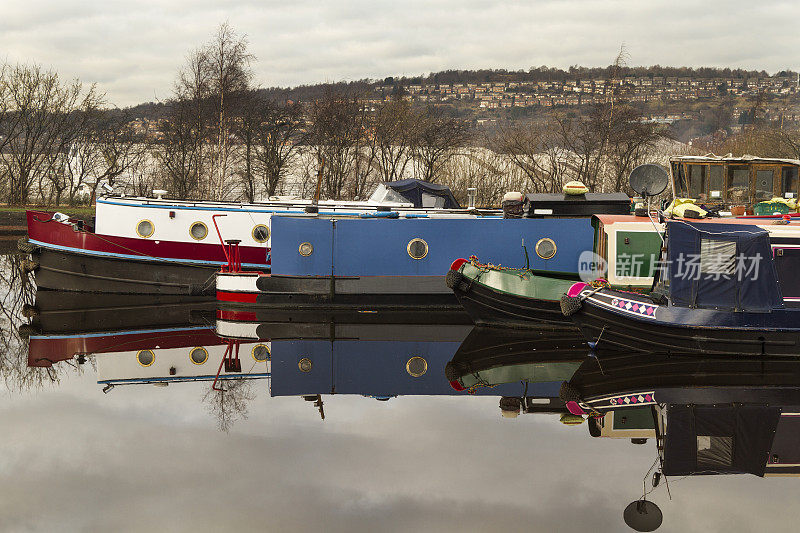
(304, 364)
(261, 353)
(198, 355)
(145, 228)
(146, 357)
(546, 248)
(306, 249)
(416, 366)
(198, 231)
(260, 233)
(417, 248)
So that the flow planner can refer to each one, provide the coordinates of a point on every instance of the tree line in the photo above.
(220, 136)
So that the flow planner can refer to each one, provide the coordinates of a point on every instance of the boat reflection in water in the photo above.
(702, 415)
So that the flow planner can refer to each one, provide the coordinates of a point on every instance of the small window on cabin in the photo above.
(789, 182)
(717, 258)
(431, 201)
(715, 185)
(697, 181)
(680, 180)
(764, 185)
(738, 184)
(714, 451)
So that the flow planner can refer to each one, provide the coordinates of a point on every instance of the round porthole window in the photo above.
(260, 233)
(546, 248)
(145, 357)
(198, 231)
(416, 366)
(304, 364)
(306, 249)
(261, 352)
(417, 248)
(145, 228)
(198, 355)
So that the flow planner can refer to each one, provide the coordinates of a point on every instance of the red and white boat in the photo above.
(164, 246)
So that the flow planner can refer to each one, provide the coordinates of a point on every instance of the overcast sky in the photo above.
(132, 49)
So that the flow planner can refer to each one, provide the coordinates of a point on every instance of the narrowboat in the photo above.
(720, 294)
(165, 246)
(388, 263)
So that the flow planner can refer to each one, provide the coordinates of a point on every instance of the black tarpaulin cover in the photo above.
(721, 266)
(727, 439)
(413, 190)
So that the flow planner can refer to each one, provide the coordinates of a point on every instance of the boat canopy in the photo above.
(418, 192)
(721, 266)
(731, 439)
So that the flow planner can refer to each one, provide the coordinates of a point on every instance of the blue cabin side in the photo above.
(375, 368)
(383, 247)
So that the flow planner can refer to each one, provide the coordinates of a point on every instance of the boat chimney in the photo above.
(472, 192)
(512, 205)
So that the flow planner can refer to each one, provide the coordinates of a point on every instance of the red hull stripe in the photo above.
(239, 316)
(241, 297)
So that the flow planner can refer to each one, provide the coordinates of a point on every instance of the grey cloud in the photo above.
(133, 50)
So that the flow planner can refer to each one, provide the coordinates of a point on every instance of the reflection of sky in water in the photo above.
(148, 458)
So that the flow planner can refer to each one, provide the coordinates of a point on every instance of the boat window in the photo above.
(431, 201)
(697, 181)
(738, 185)
(546, 248)
(714, 451)
(715, 184)
(198, 355)
(417, 248)
(416, 366)
(145, 228)
(306, 249)
(145, 357)
(198, 231)
(717, 258)
(789, 181)
(261, 352)
(260, 233)
(764, 185)
(680, 180)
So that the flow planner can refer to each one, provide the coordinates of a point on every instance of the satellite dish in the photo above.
(643, 515)
(648, 180)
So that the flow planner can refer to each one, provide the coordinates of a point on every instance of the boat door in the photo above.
(765, 182)
(787, 263)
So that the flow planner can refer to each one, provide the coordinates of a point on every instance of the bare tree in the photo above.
(228, 75)
(438, 140)
(230, 404)
(335, 133)
(532, 148)
(43, 119)
(269, 135)
(395, 130)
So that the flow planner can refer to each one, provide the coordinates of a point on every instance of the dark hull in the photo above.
(490, 348)
(68, 271)
(713, 333)
(496, 309)
(70, 312)
(384, 292)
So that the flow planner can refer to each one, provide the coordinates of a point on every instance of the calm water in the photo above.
(182, 457)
